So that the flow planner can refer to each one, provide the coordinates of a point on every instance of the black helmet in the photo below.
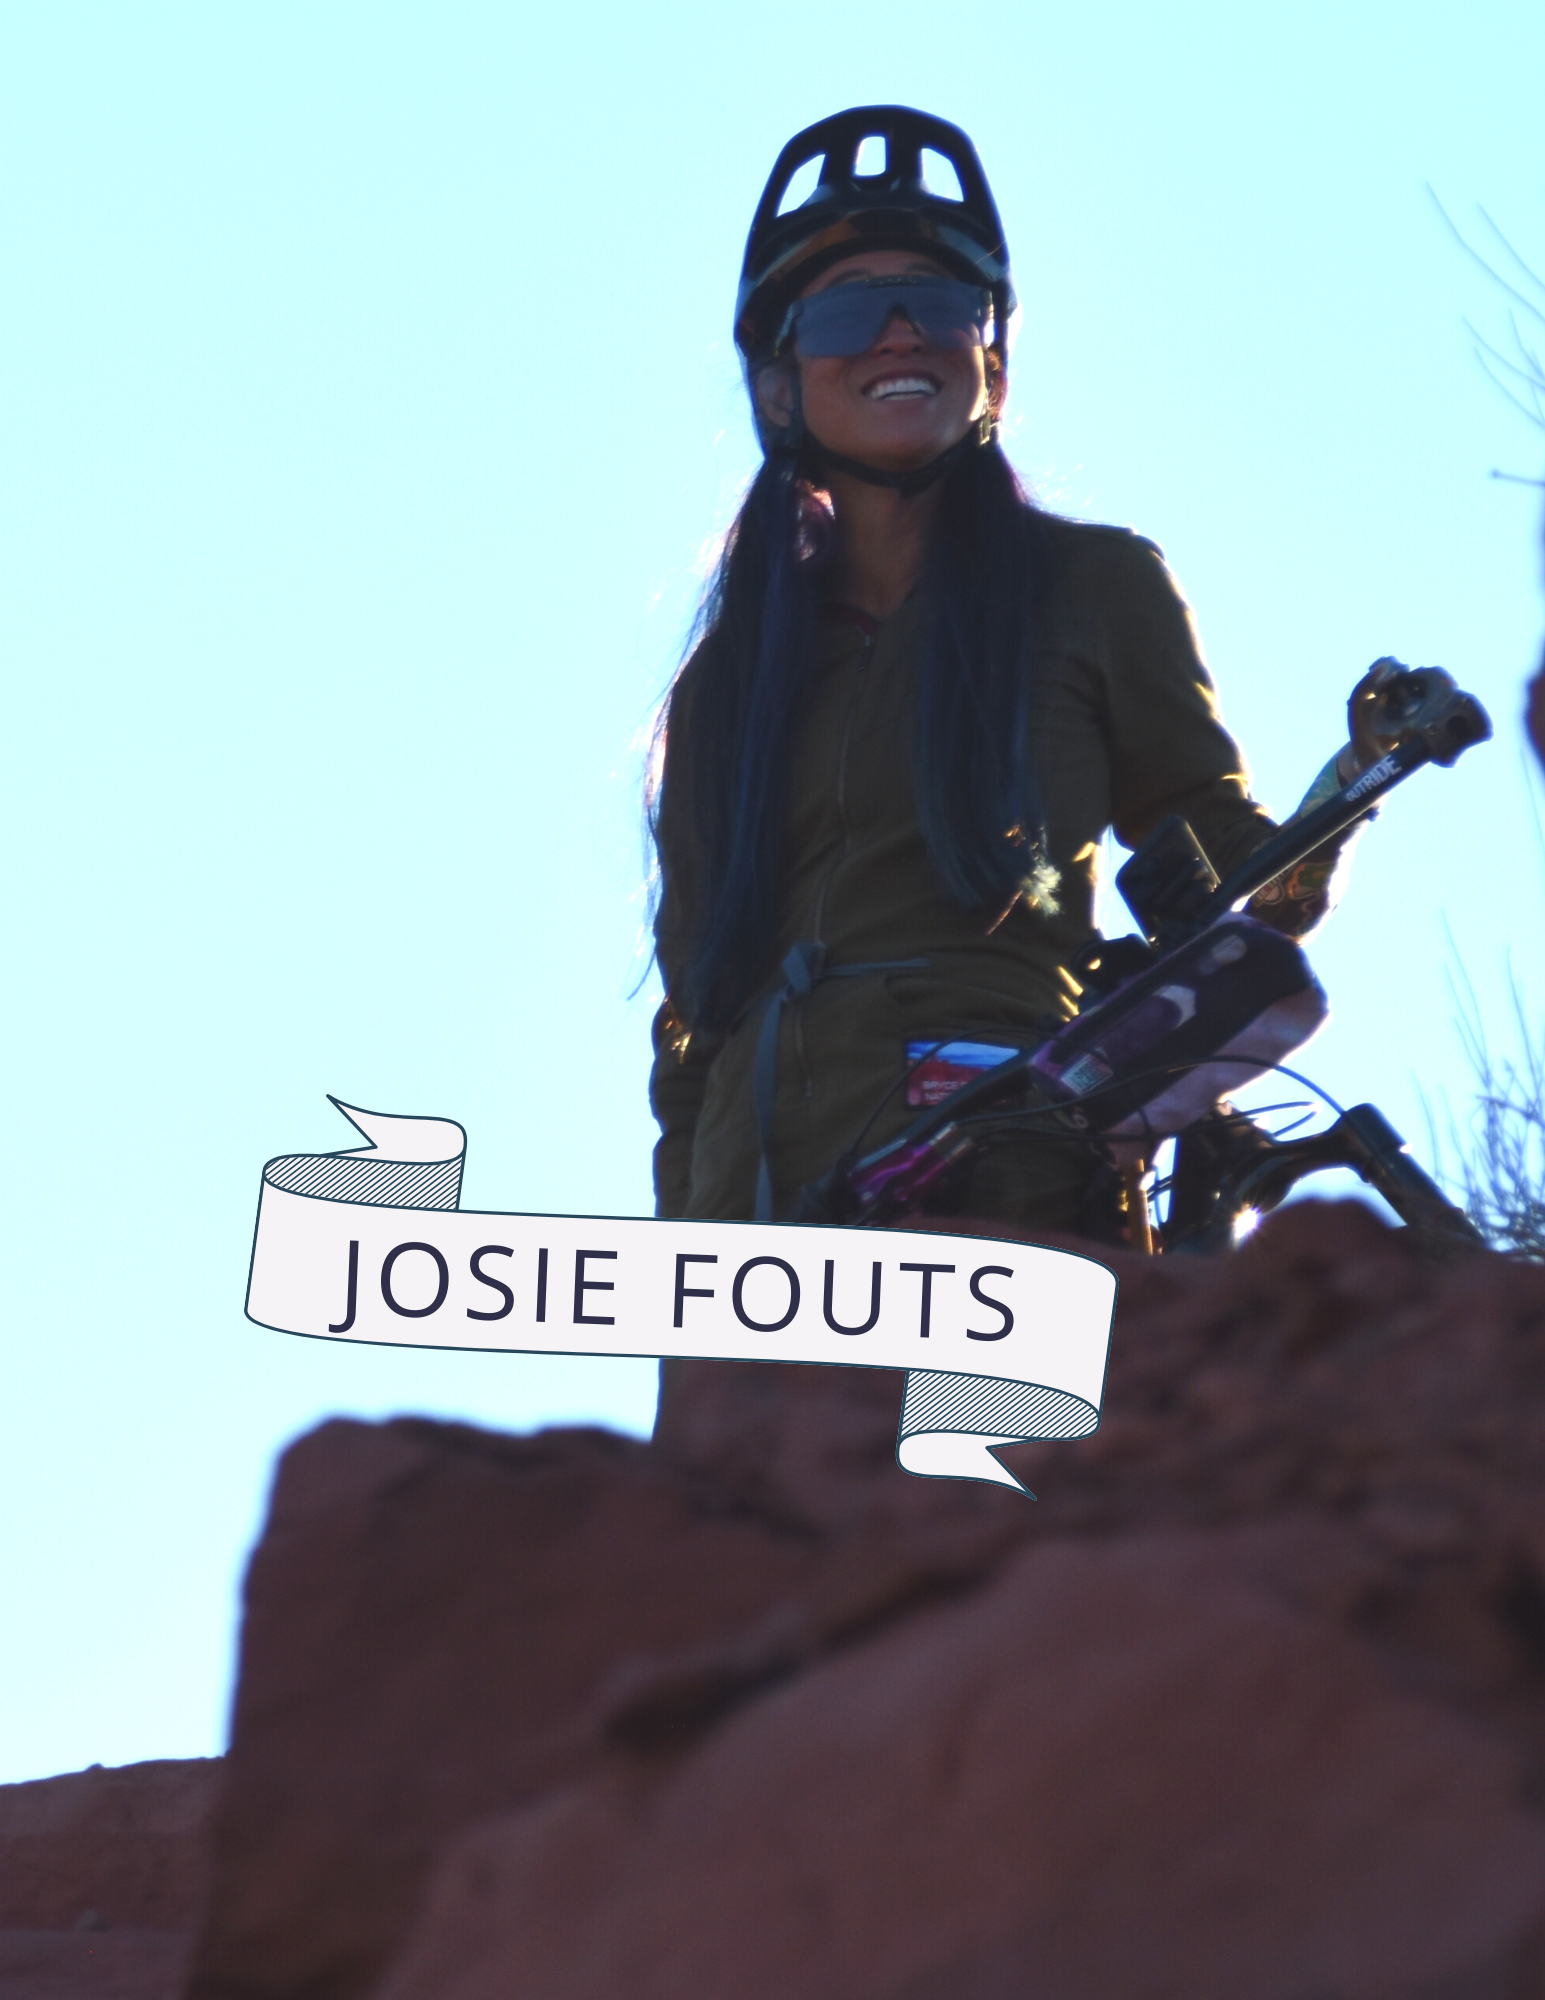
(848, 211)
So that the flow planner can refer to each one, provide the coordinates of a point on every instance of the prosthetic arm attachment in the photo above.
(1388, 704)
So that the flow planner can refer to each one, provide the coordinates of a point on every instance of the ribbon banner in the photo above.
(1002, 1342)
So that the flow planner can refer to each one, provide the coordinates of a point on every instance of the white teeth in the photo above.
(902, 385)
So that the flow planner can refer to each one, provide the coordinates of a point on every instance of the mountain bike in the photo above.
(1203, 1001)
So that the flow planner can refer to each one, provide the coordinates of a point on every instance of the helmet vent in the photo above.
(880, 177)
(940, 177)
(802, 184)
(872, 157)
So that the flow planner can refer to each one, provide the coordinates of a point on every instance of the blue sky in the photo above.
(368, 412)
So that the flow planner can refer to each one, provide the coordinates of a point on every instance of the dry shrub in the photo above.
(1498, 1175)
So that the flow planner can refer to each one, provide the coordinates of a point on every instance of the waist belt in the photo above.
(803, 970)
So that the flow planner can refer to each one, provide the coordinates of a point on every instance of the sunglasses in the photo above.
(849, 319)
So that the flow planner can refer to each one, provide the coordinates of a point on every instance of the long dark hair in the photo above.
(752, 658)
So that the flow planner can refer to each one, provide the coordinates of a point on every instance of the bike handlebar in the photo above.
(1168, 883)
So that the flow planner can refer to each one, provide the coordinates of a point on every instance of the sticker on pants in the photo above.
(942, 1067)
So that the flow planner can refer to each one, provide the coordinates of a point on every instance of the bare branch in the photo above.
(1499, 1172)
(1528, 369)
(1490, 269)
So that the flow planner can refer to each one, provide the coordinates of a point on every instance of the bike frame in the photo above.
(1227, 1167)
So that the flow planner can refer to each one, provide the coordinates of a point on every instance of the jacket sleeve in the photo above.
(682, 1056)
(1170, 752)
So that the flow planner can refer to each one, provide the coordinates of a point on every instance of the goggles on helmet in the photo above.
(848, 319)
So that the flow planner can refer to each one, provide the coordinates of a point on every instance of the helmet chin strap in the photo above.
(801, 443)
(919, 477)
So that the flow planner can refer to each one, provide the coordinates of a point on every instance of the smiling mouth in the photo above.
(899, 388)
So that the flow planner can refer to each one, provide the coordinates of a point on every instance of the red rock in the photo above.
(1125, 1771)
(97, 1965)
(121, 1848)
(440, 1623)
(1259, 1682)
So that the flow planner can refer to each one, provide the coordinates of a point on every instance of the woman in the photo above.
(916, 705)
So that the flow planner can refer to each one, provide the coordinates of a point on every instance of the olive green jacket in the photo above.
(1126, 729)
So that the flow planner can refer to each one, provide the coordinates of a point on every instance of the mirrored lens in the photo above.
(849, 319)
